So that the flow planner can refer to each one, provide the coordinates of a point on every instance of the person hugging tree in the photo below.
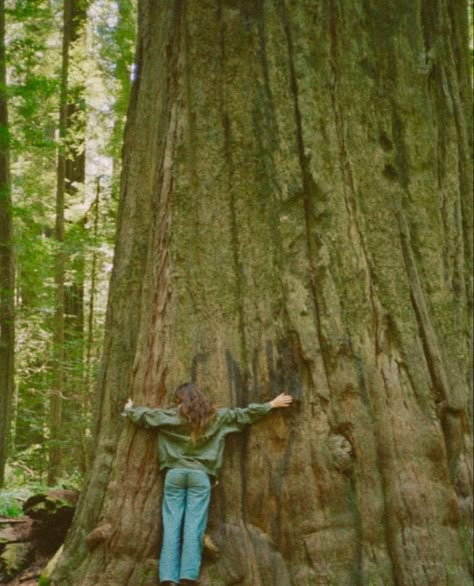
(191, 448)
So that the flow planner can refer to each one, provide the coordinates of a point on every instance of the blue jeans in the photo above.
(184, 514)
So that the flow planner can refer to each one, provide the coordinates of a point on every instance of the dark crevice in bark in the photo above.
(389, 517)
(308, 189)
(187, 93)
(244, 444)
(242, 395)
(238, 267)
(446, 405)
(282, 475)
(464, 256)
(458, 16)
(267, 138)
(349, 188)
(400, 151)
(463, 169)
(266, 76)
(433, 360)
(358, 573)
(267, 147)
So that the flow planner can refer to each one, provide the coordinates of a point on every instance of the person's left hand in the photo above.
(128, 404)
(282, 400)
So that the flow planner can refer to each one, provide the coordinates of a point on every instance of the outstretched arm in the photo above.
(146, 416)
(238, 417)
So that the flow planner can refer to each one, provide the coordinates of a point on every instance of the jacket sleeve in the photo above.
(146, 416)
(235, 419)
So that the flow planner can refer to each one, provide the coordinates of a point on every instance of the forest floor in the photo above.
(29, 576)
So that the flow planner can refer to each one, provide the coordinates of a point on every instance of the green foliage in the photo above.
(98, 85)
(21, 488)
(115, 30)
(10, 506)
(32, 50)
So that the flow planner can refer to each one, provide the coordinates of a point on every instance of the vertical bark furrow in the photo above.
(234, 227)
(349, 188)
(427, 335)
(308, 192)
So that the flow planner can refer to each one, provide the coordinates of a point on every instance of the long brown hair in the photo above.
(195, 407)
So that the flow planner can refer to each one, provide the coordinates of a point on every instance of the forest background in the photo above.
(64, 94)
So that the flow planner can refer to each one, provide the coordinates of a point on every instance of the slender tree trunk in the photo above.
(92, 294)
(54, 460)
(7, 270)
(90, 346)
(295, 215)
(70, 172)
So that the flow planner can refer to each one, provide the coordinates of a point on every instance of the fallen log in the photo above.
(52, 513)
(17, 531)
(27, 543)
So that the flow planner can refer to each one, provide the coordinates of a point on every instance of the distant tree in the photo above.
(70, 172)
(33, 54)
(295, 214)
(7, 272)
(116, 47)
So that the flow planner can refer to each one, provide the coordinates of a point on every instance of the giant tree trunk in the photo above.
(295, 215)
(7, 271)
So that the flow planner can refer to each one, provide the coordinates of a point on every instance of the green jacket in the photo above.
(176, 449)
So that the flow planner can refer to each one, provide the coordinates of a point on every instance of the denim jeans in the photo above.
(184, 515)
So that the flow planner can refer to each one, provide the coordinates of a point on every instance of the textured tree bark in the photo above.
(7, 267)
(295, 215)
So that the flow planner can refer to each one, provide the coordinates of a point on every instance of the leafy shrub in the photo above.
(11, 503)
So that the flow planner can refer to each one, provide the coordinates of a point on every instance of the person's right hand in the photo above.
(128, 404)
(282, 400)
